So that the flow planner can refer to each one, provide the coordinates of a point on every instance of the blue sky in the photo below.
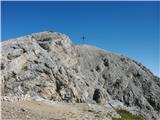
(127, 28)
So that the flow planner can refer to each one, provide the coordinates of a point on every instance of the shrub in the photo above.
(25, 68)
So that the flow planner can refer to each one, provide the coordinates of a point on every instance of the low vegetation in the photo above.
(125, 115)
(25, 68)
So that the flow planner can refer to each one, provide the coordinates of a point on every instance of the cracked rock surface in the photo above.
(49, 65)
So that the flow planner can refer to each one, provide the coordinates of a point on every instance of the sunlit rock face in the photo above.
(49, 65)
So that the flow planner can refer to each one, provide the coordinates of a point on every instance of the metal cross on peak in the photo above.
(83, 38)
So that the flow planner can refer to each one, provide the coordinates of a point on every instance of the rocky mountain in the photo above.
(48, 65)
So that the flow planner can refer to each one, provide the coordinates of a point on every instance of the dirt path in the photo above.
(33, 110)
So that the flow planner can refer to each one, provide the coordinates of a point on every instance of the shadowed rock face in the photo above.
(49, 65)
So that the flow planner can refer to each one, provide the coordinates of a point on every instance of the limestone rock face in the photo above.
(49, 65)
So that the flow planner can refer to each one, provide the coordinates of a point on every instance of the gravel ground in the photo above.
(34, 110)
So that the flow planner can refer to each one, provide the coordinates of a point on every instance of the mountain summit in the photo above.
(48, 65)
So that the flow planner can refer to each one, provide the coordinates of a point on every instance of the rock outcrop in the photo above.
(50, 66)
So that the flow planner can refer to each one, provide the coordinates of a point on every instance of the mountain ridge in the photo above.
(49, 65)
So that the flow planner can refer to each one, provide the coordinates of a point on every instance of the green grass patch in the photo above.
(125, 115)
(109, 114)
